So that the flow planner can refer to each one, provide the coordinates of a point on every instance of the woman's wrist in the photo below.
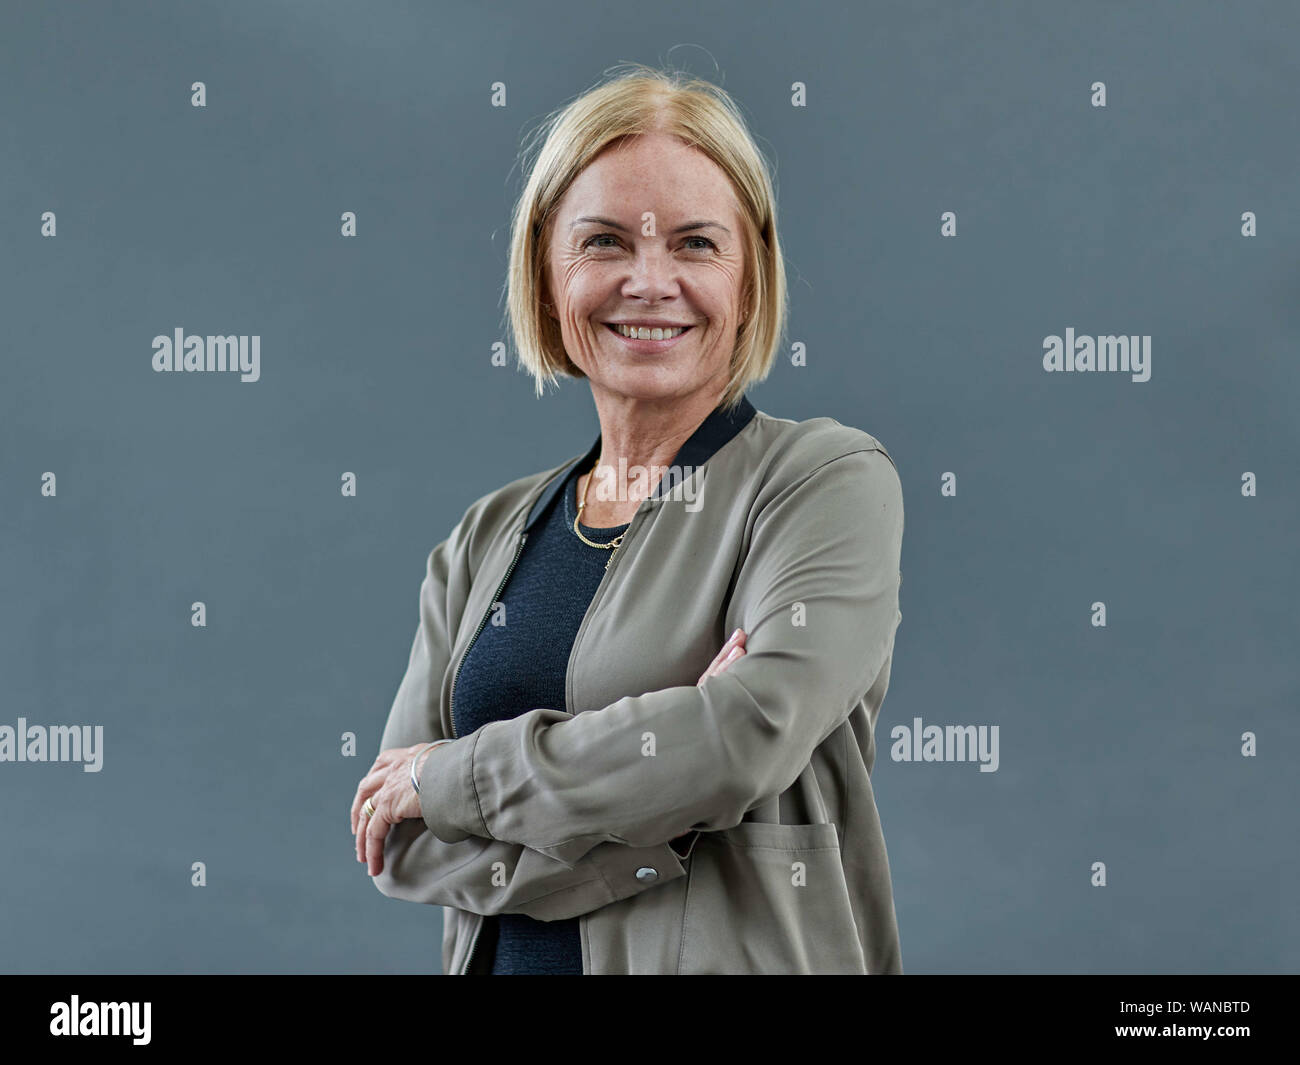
(417, 763)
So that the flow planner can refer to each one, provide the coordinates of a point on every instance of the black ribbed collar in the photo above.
(719, 427)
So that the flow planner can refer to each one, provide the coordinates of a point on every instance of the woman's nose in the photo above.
(654, 273)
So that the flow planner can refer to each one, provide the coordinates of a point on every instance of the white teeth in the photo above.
(645, 333)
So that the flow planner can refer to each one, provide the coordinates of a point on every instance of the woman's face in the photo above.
(621, 251)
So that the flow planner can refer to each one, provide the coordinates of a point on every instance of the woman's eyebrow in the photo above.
(623, 229)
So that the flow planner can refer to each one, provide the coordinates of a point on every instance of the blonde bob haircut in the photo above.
(642, 100)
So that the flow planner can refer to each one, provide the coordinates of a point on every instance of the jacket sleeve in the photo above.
(817, 595)
(483, 875)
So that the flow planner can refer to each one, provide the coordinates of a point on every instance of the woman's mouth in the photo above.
(648, 339)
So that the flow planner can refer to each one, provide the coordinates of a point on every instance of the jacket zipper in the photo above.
(478, 934)
(519, 548)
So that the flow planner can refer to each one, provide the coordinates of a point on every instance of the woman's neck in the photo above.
(638, 441)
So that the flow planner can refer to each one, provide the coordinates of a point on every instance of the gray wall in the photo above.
(1119, 744)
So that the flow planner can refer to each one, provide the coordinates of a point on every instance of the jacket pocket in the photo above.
(768, 898)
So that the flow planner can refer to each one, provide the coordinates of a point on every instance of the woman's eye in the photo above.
(591, 241)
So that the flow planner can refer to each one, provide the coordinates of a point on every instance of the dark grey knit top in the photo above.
(521, 664)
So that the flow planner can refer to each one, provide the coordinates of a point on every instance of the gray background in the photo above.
(222, 744)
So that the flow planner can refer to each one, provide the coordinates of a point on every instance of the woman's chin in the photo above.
(647, 383)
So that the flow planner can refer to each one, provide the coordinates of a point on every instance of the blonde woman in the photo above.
(660, 762)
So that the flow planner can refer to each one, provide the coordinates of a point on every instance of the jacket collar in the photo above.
(718, 428)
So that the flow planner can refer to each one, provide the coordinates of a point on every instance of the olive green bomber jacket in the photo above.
(789, 530)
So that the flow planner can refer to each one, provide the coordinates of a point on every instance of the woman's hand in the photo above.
(731, 650)
(388, 787)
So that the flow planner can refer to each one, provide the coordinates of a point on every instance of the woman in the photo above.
(579, 764)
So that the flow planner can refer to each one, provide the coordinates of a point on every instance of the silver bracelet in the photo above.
(415, 783)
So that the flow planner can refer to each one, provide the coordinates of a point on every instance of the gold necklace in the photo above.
(613, 544)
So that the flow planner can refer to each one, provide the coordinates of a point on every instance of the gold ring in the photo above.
(368, 809)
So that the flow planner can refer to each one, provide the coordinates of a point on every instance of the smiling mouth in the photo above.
(683, 330)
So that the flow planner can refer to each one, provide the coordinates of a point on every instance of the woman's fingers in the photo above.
(364, 790)
(370, 784)
(738, 649)
(736, 652)
(726, 649)
(374, 833)
(376, 825)
(731, 650)
(360, 841)
(367, 789)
